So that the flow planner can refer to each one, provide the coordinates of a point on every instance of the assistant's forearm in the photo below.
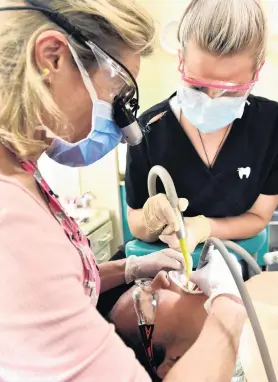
(138, 227)
(213, 356)
(238, 227)
(112, 274)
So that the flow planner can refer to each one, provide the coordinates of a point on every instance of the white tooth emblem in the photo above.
(244, 172)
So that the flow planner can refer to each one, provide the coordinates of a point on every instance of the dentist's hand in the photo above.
(198, 230)
(215, 278)
(150, 265)
(159, 213)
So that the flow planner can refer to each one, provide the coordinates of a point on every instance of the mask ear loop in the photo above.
(84, 74)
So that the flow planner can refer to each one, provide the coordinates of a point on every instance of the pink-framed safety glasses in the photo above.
(224, 88)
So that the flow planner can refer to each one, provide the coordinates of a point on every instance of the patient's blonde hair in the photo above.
(24, 97)
(225, 27)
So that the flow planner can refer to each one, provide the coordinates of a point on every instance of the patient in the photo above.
(179, 319)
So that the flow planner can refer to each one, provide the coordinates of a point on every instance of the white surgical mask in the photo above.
(207, 114)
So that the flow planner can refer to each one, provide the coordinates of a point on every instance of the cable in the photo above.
(247, 301)
(244, 255)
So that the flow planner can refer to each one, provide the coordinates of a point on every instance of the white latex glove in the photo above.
(215, 278)
(148, 266)
(159, 213)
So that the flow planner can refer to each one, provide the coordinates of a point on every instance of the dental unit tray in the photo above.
(221, 246)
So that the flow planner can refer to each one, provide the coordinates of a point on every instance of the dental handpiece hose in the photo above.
(170, 190)
(218, 244)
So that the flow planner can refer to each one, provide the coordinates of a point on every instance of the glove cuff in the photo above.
(234, 296)
(131, 267)
(200, 225)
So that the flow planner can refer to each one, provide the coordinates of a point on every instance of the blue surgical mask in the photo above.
(103, 137)
(209, 114)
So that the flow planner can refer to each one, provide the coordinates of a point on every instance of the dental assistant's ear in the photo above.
(52, 53)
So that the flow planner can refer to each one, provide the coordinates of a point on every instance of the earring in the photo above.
(45, 72)
(46, 76)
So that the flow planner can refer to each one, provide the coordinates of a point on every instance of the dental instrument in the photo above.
(170, 190)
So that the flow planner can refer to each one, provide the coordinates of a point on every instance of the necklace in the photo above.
(219, 147)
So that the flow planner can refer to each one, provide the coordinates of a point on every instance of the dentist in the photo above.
(217, 140)
(58, 81)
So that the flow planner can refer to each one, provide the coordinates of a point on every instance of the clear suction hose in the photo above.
(221, 246)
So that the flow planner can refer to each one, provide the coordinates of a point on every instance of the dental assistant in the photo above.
(58, 81)
(218, 142)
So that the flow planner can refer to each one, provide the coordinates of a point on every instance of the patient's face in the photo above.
(178, 321)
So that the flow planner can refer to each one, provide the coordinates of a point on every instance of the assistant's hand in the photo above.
(150, 265)
(198, 230)
(159, 213)
(215, 278)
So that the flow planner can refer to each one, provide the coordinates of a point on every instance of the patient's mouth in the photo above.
(181, 281)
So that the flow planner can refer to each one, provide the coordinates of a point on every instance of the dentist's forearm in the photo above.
(112, 274)
(213, 356)
(138, 227)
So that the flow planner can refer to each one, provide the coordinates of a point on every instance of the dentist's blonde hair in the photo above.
(24, 96)
(225, 27)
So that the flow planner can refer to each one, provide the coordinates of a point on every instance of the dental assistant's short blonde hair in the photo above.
(24, 96)
(225, 27)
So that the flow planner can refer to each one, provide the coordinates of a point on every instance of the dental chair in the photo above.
(253, 246)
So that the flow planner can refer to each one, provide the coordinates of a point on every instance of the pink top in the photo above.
(49, 329)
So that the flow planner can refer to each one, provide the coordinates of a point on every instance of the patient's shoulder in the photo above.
(154, 113)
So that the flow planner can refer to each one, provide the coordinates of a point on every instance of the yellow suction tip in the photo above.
(186, 255)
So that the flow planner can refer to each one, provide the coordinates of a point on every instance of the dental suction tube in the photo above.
(245, 296)
(171, 193)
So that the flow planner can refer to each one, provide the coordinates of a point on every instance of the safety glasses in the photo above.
(145, 303)
(217, 88)
(116, 77)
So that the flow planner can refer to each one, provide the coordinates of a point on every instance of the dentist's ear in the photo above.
(51, 50)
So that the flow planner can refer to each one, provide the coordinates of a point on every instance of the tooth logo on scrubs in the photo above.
(244, 172)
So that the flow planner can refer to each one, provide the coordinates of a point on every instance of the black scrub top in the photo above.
(225, 190)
